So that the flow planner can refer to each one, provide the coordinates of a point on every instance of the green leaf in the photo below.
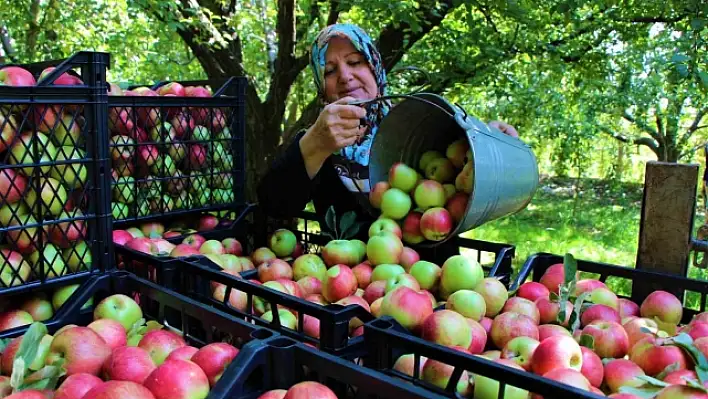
(554, 297)
(4, 342)
(669, 369)
(695, 384)
(653, 381)
(679, 58)
(685, 342)
(570, 268)
(331, 220)
(45, 378)
(648, 392)
(577, 310)
(587, 341)
(352, 231)
(703, 78)
(18, 373)
(136, 328)
(347, 221)
(29, 345)
(682, 70)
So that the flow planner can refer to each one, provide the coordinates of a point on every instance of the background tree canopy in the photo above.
(571, 75)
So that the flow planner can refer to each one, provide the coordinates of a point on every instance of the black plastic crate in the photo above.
(695, 291)
(54, 172)
(177, 155)
(280, 363)
(198, 324)
(385, 341)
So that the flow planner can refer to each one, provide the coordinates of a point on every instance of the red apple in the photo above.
(551, 330)
(111, 331)
(639, 328)
(410, 229)
(362, 272)
(628, 308)
(553, 277)
(532, 290)
(622, 373)
(592, 369)
(160, 343)
(128, 363)
(274, 269)
(377, 192)
(610, 339)
(339, 282)
(653, 356)
(121, 237)
(663, 305)
(599, 312)
(509, 325)
(184, 250)
(436, 224)
(184, 353)
(522, 306)
(75, 386)
(448, 328)
(12, 184)
(310, 285)
(588, 284)
(214, 358)
(479, 337)
(408, 257)
(309, 390)
(374, 291)
(232, 246)
(407, 306)
(557, 353)
(82, 349)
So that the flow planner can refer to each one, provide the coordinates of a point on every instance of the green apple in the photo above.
(395, 203)
(429, 194)
(10, 212)
(119, 210)
(282, 242)
(39, 307)
(403, 279)
(124, 190)
(222, 196)
(495, 295)
(427, 274)
(459, 273)
(32, 147)
(287, 318)
(520, 349)
(201, 133)
(384, 248)
(73, 175)
(488, 388)
(343, 252)
(384, 225)
(467, 303)
(360, 248)
(164, 166)
(604, 296)
(120, 308)
(441, 170)
(197, 184)
(427, 157)
(450, 190)
(49, 260)
(386, 272)
(52, 193)
(402, 177)
(78, 257)
(309, 265)
(62, 294)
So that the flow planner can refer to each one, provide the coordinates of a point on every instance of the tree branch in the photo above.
(7, 44)
(643, 126)
(34, 27)
(645, 141)
(333, 15)
(303, 23)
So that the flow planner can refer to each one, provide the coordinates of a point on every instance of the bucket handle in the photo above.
(406, 96)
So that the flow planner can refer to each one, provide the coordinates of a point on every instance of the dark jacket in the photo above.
(285, 190)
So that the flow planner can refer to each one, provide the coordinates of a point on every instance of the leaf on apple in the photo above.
(570, 267)
(347, 220)
(695, 384)
(45, 378)
(685, 342)
(587, 341)
(331, 219)
(26, 352)
(647, 393)
(669, 369)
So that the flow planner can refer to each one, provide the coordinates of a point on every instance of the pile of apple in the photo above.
(574, 331)
(33, 134)
(118, 355)
(427, 203)
(301, 390)
(171, 157)
(34, 307)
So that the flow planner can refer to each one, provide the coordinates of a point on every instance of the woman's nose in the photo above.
(345, 73)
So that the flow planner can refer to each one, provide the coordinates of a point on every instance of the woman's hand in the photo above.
(505, 128)
(336, 127)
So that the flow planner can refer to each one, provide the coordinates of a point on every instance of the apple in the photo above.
(395, 204)
(40, 309)
(76, 386)
(309, 389)
(178, 379)
(447, 328)
(82, 349)
(406, 364)
(12, 184)
(568, 376)
(61, 295)
(603, 296)
(488, 388)
(282, 242)
(553, 277)
(410, 229)
(429, 194)
(363, 272)
(653, 355)
(409, 256)
(339, 282)
(522, 306)
(509, 325)
(468, 303)
(16, 76)
(436, 224)
(159, 344)
(533, 290)
(14, 318)
(520, 350)
(402, 279)
(262, 254)
(593, 368)
(456, 205)
(638, 328)
(599, 312)
(111, 331)
(341, 252)
(610, 338)
(376, 193)
(309, 265)
(310, 285)
(495, 295)
(456, 151)
(183, 251)
(402, 177)
(52, 194)
(680, 391)
(128, 363)
(440, 170)
(662, 305)
(273, 394)
(386, 271)
(214, 358)
(274, 269)
(622, 373)
(384, 249)
(287, 318)
(121, 237)
(120, 308)
(212, 247)
(374, 291)
(184, 353)
(427, 274)
(464, 181)
(408, 307)
(428, 156)
(552, 330)
(557, 353)
(548, 310)
(384, 226)
(439, 374)
(628, 308)
(459, 273)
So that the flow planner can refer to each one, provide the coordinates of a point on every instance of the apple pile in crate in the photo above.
(169, 158)
(301, 390)
(571, 330)
(43, 207)
(34, 307)
(118, 355)
(427, 203)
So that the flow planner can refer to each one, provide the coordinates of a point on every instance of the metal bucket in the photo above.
(505, 168)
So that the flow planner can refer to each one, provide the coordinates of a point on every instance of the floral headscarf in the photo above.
(352, 162)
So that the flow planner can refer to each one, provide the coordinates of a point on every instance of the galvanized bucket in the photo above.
(505, 168)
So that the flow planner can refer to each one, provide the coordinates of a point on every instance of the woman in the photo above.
(328, 162)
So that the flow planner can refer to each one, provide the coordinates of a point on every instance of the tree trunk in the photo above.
(619, 169)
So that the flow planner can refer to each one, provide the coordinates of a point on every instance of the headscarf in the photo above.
(352, 162)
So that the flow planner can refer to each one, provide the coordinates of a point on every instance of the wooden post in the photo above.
(668, 210)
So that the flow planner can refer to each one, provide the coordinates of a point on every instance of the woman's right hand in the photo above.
(337, 126)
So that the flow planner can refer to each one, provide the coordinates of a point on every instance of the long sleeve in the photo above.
(286, 188)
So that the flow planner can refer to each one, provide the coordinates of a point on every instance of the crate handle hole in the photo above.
(282, 342)
(261, 334)
(382, 324)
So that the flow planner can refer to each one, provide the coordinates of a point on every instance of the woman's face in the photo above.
(347, 72)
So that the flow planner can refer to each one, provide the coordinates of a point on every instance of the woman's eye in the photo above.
(328, 71)
(354, 62)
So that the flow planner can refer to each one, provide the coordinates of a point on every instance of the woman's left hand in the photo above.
(505, 128)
